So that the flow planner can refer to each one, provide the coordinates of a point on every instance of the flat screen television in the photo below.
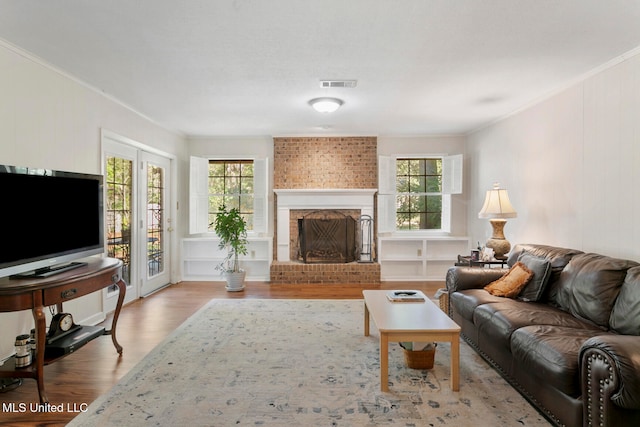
(49, 219)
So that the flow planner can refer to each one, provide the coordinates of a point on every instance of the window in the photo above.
(119, 195)
(231, 183)
(156, 181)
(414, 192)
(419, 194)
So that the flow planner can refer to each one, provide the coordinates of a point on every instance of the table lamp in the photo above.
(497, 208)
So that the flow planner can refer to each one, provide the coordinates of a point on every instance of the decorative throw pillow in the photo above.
(511, 283)
(541, 269)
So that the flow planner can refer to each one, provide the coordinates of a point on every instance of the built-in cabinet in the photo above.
(201, 255)
(419, 257)
(402, 258)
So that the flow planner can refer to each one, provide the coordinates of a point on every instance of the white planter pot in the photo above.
(235, 281)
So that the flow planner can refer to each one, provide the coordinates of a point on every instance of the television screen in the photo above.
(49, 218)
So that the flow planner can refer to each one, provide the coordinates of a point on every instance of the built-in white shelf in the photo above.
(414, 258)
(200, 255)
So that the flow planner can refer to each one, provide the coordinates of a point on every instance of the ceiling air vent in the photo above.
(338, 83)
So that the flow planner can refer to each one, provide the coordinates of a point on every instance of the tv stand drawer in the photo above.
(17, 302)
(68, 291)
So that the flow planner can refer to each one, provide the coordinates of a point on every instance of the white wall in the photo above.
(434, 145)
(51, 121)
(571, 164)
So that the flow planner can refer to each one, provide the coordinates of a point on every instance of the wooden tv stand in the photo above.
(36, 294)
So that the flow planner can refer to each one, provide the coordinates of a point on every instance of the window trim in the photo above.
(199, 194)
(426, 194)
(239, 195)
(452, 167)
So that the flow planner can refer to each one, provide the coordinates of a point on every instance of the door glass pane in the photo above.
(155, 220)
(118, 219)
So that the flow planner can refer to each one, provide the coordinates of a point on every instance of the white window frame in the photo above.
(452, 167)
(199, 194)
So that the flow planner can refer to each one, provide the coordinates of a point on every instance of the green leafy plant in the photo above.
(231, 229)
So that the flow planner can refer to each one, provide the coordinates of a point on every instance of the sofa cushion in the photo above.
(589, 286)
(497, 321)
(541, 269)
(625, 315)
(511, 283)
(465, 302)
(551, 354)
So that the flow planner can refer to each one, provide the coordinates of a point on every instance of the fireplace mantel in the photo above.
(287, 199)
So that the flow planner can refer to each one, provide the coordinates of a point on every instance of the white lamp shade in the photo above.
(497, 204)
(326, 105)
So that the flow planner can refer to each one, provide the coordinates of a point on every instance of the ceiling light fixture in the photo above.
(326, 105)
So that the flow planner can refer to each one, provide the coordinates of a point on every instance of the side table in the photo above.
(466, 261)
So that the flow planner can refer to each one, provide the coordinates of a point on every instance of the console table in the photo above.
(36, 294)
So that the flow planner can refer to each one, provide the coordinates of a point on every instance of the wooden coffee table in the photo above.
(410, 321)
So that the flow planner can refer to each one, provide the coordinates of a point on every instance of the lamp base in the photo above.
(497, 242)
(500, 247)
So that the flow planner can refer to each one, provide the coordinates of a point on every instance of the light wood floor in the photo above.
(81, 377)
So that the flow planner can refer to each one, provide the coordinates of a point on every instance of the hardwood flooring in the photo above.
(77, 380)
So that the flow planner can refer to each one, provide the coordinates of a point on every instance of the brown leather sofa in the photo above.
(570, 342)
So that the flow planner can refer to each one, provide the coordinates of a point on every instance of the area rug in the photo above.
(299, 363)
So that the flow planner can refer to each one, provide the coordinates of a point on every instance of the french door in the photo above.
(155, 223)
(120, 184)
(137, 221)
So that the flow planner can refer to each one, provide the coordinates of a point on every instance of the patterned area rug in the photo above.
(299, 363)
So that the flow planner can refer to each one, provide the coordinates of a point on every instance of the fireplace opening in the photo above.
(326, 236)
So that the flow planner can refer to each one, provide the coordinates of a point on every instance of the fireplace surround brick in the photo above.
(327, 162)
(324, 163)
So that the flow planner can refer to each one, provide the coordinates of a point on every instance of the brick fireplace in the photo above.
(300, 201)
(312, 174)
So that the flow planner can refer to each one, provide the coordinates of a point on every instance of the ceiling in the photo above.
(249, 67)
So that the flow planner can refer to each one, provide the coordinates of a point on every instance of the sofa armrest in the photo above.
(461, 278)
(610, 377)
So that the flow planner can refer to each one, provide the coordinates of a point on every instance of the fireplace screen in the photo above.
(326, 237)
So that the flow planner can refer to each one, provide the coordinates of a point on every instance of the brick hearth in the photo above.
(293, 273)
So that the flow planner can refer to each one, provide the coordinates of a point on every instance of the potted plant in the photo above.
(231, 229)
